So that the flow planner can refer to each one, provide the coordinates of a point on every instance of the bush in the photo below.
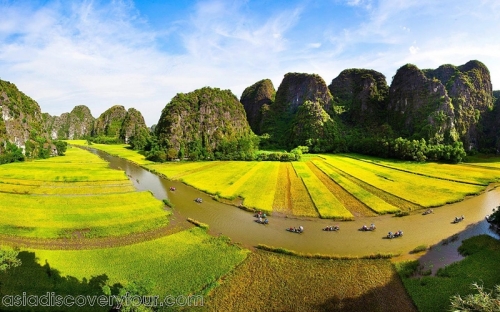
(167, 202)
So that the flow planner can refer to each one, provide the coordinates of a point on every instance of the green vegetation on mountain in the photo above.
(360, 95)
(21, 126)
(77, 124)
(470, 92)
(300, 115)
(207, 123)
(255, 100)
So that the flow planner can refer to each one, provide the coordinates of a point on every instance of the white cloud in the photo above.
(104, 54)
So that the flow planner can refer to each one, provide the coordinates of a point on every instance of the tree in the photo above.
(61, 147)
(8, 259)
(482, 301)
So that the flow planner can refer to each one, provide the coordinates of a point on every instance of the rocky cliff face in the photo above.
(133, 123)
(360, 96)
(295, 90)
(470, 91)
(254, 98)
(110, 122)
(204, 119)
(490, 127)
(74, 125)
(420, 107)
(21, 118)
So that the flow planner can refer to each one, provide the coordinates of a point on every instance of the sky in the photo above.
(142, 53)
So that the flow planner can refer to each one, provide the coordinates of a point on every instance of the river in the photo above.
(239, 225)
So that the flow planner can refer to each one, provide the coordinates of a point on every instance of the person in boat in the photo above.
(264, 215)
(301, 228)
(364, 228)
(260, 219)
(389, 234)
(372, 226)
(266, 221)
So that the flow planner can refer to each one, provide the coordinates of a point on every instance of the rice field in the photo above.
(188, 262)
(356, 207)
(257, 186)
(120, 150)
(219, 179)
(175, 171)
(457, 172)
(78, 196)
(331, 186)
(275, 282)
(422, 190)
(326, 203)
(369, 199)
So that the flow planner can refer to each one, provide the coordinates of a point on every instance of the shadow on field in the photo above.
(390, 297)
(32, 278)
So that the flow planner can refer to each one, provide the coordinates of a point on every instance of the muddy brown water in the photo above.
(240, 226)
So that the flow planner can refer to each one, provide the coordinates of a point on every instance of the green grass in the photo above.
(432, 293)
(369, 199)
(188, 262)
(425, 191)
(326, 203)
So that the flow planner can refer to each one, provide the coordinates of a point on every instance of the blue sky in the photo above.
(141, 53)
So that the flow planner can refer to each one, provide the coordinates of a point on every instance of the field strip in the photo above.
(385, 196)
(216, 180)
(422, 166)
(259, 190)
(232, 190)
(302, 203)
(426, 191)
(326, 203)
(356, 207)
(177, 170)
(372, 201)
(283, 197)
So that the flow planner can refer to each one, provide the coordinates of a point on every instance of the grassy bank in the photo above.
(432, 293)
